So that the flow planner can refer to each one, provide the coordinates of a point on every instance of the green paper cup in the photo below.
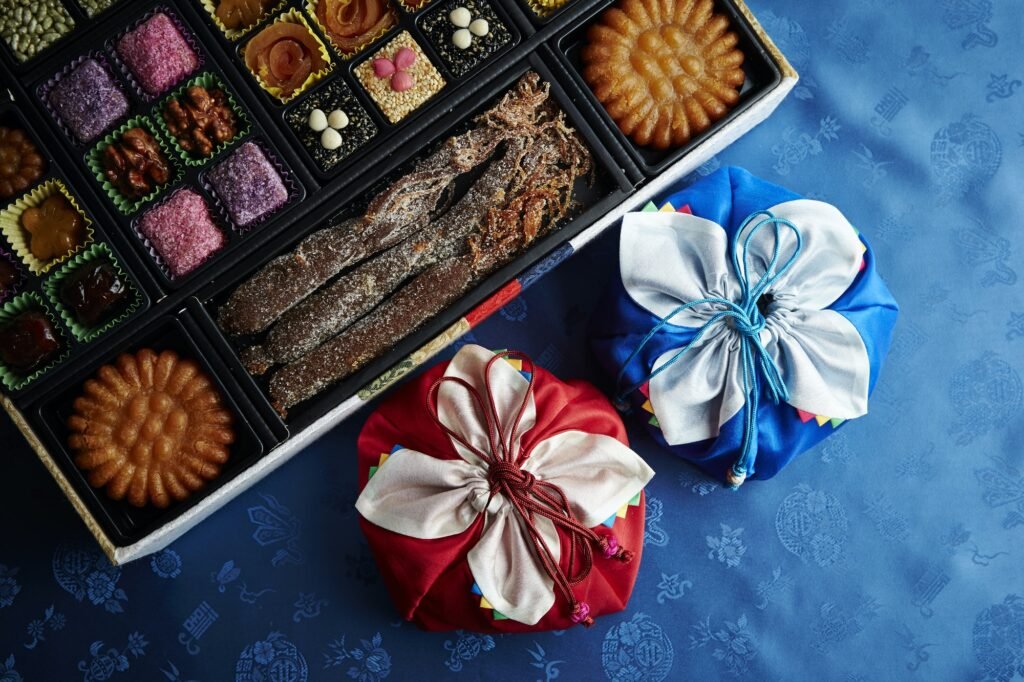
(94, 159)
(206, 80)
(11, 378)
(52, 287)
(18, 237)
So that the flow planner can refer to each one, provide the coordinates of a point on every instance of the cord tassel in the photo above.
(581, 614)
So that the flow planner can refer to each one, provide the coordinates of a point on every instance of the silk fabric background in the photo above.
(892, 551)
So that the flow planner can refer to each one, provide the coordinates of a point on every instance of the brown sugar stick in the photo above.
(424, 297)
(335, 307)
(400, 210)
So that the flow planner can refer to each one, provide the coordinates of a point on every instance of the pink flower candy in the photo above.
(396, 69)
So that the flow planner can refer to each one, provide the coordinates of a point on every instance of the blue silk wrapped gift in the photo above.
(746, 323)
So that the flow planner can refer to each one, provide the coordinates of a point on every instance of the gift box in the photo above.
(746, 324)
(294, 145)
(498, 498)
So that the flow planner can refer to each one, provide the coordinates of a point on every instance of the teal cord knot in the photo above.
(748, 319)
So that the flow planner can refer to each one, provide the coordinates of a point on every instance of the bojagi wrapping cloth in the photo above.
(747, 323)
(498, 498)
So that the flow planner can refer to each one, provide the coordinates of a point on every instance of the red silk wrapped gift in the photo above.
(498, 498)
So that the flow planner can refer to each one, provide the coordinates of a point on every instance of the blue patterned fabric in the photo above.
(891, 551)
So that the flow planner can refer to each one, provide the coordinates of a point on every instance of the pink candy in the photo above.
(396, 69)
(157, 54)
(182, 232)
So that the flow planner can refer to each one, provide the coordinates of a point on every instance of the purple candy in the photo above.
(248, 185)
(157, 54)
(182, 232)
(87, 100)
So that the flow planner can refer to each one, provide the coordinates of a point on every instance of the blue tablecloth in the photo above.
(910, 117)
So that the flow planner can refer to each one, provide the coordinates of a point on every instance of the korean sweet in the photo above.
(21, 164)
(182, 232)
(55, 228)
(94, 7)
(157, 54)
(95, 292)
(283, 56)
(331, 123)
(664, 70)
(87, 100)
(200, 120)
(466, 35)
(248, 185)
(151, 428)
(241, 14)
(399, 77)
(27, 341)
(352, 24)
(135, 164)
(406, 260)
(28, 28)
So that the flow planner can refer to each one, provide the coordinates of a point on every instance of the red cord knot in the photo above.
(613, 550)
(581, 614)
(508, 474)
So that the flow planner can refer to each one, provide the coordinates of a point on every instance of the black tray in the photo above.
(189, 306)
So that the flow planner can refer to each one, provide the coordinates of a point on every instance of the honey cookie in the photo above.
(150, 428)
(664, 70)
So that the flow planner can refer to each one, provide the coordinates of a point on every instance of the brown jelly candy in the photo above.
(28, 341)
(20, 162)
(94, 293)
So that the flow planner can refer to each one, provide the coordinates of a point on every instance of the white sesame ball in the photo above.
(479, 27)
(338, 119)
(317, 120)
(462, 39)
(461, 17)
(330, 139)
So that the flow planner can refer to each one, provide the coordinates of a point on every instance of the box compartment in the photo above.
(763, 75)
(122, 522)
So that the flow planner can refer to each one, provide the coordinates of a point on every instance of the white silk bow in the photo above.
(424, 497)
(668, 259)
